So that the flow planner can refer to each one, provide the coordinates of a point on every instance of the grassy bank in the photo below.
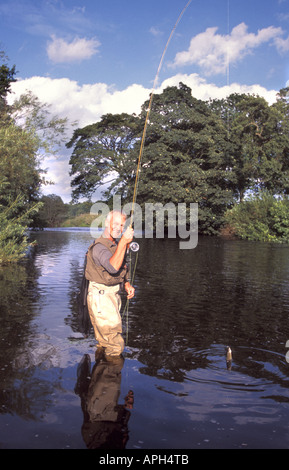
(81, 220)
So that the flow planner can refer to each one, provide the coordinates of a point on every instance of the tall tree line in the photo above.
(212, 153)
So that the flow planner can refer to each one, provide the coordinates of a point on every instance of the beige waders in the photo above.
(104, 304)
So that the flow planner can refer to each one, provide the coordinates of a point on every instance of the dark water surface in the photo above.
(189, 305)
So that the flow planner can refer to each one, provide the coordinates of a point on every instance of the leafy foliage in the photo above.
(183, 157)
(7, 76)
(27, 132)
(52, 212)
(257, 148)
(261, 217)
(34, 118)
(101, 153)
(18, 163)
(15, 216)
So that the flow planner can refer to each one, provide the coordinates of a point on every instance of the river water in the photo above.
(174, 388)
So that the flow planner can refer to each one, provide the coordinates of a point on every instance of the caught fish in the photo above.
(229, 357)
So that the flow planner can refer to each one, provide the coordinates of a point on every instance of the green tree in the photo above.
(15, 216)
(27, 132)
(210, 153)
(101, 154)
(52, 212)
(18, 162)
(34, 117)
(261, 217)
(183, 158)
(7, 76)
(74, 209)
(257, 142)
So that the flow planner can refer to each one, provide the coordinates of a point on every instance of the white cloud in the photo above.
(213, 52)
(87, 103)
(84, 104)
(58, 172)
(282, 44)
(60, 51)
(203, 90)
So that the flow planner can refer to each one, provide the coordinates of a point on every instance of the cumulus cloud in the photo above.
(87, 103)
(57, 172)
(213, 52)
(84, 104)
(60, 51)
(203, 90)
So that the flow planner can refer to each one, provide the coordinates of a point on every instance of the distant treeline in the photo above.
(55, 213)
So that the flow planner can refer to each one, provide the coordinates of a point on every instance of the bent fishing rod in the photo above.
(149, 110)
(135, 246)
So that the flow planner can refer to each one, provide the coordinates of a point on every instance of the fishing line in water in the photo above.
(141, 150)
(126, 308)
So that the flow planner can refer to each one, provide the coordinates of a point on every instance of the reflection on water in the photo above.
(189, 306)
(105, 421)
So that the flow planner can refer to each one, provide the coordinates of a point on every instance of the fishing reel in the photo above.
(134, 246)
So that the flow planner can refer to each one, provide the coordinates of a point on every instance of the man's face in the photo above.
(116, 225)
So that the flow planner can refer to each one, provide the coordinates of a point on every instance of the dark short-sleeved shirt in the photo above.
(101, 256)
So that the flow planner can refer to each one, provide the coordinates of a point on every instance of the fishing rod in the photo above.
(135, 246)
(149, 109)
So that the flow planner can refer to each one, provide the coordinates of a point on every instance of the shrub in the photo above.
(13, 230)
(261, 217)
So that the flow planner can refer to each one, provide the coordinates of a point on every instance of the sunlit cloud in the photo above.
(60, 51)
(204, 90)
(282, 45)
(58, 173)
(82, 103)
(213, 52)
(88, 102)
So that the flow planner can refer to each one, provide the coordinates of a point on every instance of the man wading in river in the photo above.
(106, 270)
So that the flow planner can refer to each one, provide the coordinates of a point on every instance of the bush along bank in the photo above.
(261, 217)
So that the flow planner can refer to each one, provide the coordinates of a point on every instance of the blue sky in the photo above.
(87, 58)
